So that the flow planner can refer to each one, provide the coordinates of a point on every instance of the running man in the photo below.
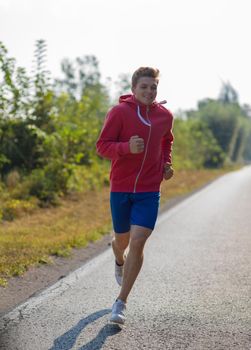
(137, 138)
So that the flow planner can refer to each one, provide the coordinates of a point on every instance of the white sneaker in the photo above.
(118, 312)
(119, 273)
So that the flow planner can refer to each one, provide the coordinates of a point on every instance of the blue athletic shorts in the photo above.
(134, 209)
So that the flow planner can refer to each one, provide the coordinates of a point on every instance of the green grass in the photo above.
(33, 239)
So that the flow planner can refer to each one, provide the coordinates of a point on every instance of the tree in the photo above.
(195, 145)
(228, 94)
(228, 121)
(123, 84)
(42, 100)
(14, 87)
(79, 75)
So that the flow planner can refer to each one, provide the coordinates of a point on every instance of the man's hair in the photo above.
(144, 72)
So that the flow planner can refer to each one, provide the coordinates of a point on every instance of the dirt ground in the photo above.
(36, 279)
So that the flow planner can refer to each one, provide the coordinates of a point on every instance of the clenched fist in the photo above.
(168, 171)
(136, 144)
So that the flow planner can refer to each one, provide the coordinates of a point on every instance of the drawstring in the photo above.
(141, 118)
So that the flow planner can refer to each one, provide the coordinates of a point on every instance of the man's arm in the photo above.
(167, 143)
(108, 144)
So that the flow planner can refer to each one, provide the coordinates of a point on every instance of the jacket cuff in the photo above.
(168, 161)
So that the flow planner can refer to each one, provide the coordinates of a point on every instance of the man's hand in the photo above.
(136, 144)
(168, 171)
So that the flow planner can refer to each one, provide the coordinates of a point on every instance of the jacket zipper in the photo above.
(143, 161)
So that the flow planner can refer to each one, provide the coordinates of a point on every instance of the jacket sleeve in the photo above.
(108, 144)
(167, 142)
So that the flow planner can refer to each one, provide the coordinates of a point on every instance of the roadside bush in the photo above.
(15, 208)
(49, 183)
(12, 179)
(92, 177)
(195, 146)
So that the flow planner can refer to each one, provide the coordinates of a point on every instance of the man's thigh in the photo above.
(144, 210)
(121, 212)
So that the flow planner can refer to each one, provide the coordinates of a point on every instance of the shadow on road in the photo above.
(97, 343)
(68, 339)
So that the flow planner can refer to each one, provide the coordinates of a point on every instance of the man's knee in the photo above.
(139, 236)
(137, 244)
(121, 240)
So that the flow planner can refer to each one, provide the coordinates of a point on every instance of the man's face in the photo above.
(145, 90)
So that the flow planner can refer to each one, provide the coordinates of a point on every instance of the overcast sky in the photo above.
(196, 44)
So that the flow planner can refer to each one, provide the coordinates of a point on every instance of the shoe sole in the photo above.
(119, 322)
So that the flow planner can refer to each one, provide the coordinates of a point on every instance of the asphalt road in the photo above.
(193, 292)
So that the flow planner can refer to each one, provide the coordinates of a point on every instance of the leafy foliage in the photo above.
(195, 146)
(229, 123)
(48, 131)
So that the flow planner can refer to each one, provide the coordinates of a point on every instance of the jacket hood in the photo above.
(131, 99)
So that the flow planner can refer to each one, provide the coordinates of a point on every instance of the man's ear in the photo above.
(133, 89)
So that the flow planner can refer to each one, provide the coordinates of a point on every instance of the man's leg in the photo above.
(132, 266)
(134, 260)
(119, 244)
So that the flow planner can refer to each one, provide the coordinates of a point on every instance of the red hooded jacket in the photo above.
(140, 172)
